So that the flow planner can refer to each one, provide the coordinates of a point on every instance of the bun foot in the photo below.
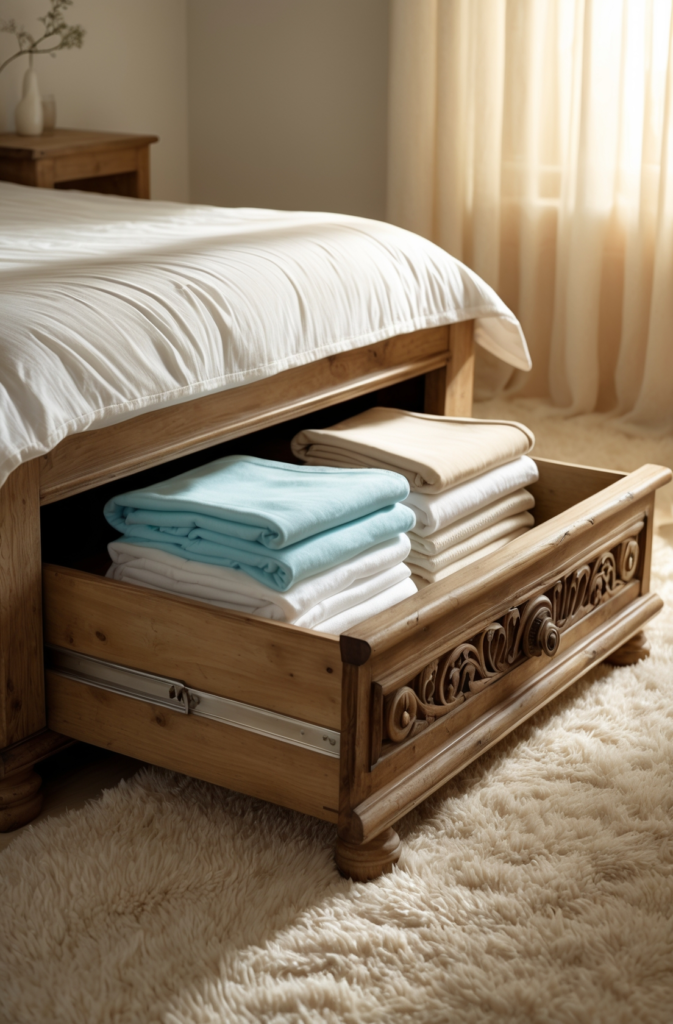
(20, 799)
(369, 860)
(633, 650)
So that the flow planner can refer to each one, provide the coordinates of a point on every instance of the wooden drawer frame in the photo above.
(585, 570)
(582, 576)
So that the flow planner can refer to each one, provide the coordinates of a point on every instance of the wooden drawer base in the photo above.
(257, 765)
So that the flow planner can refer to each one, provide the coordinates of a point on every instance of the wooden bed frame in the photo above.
(356, 730)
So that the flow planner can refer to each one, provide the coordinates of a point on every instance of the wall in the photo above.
(130, 75)
(288, 103)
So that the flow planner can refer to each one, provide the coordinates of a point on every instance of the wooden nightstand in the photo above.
(66, 158)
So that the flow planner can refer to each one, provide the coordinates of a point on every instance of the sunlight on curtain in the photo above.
(533, 139)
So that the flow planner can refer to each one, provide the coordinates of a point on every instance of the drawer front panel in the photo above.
(461, 681)
(292, 671)
(430, 684)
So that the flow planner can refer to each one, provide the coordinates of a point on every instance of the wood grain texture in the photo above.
(86, 460)
(496, 594)
(22, 709)
(31, 751)
(562, 485)
(398, 759)
(449, 389)
(66, 156)
(634, 650)
(355, 743)
(367, 861)
(510, 573)
(404, 792)
(259, 766)
(293, 671)
(64, 141)
(20, 799)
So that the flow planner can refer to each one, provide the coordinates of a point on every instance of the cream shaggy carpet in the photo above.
(537, 886)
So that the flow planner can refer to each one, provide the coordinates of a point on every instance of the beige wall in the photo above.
(130, 75)
(288, 103)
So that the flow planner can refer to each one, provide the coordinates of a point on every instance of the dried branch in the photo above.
(58, 35)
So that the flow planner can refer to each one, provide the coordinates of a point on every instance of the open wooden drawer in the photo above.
(359, 729)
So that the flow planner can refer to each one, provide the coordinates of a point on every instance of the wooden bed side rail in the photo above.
(443, 354)
(422, 621)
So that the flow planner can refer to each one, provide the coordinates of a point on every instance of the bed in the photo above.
(140, 334)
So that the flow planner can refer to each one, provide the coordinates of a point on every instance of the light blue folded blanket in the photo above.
(277, 522)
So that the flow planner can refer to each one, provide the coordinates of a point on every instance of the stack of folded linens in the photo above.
(315, 546)
(467, 479)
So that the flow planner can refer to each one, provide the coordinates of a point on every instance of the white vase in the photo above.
(29, 117)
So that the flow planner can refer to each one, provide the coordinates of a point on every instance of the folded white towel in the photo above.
(434, 563)
(432, 452)
(379, 603)
(436, 511)
(229, 588)
(421, 576)
(460, 531)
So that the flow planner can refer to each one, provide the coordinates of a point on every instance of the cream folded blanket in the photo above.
(494, 513)
(436, 511)
(317, 597)
(421, 576)
(434, 453)
(435, 563)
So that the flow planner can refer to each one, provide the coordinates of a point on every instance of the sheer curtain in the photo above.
(533, 139)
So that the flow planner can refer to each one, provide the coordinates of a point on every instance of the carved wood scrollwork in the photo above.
(529, 631)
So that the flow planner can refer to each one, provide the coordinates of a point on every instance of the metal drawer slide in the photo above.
(173, 694)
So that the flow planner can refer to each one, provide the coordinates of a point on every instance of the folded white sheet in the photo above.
(435, 563)
(421, 577)
(436, 511)
(458, 532)
(434, 453)
(230, 588)
(374, 592)
(379, 603)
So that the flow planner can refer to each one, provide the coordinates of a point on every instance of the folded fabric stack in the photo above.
(314, 546)
(467, 479)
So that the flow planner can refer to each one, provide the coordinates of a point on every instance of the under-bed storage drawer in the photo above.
(402, 702)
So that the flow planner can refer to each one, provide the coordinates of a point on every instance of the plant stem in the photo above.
(29, 53)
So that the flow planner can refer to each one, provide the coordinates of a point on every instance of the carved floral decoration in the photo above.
(522, 632)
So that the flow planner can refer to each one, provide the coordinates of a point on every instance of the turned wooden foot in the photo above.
(369, 860)
(633, 650)
(20, 799)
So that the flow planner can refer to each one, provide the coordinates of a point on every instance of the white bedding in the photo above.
(110, 307)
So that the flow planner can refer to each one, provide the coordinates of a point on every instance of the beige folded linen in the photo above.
(476, 542)
(434, 453)
(432, 577)
(503, 508)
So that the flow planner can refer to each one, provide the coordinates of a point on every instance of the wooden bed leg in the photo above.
(635, 649)
(20, 785)
(22, 703)
(20, 799)
(448, 390)
(367, 861)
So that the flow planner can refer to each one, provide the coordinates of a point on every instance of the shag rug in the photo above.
(536, 886)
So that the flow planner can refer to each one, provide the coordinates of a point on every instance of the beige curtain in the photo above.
(533, 139)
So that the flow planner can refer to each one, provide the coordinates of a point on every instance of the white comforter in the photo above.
(110, 307)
